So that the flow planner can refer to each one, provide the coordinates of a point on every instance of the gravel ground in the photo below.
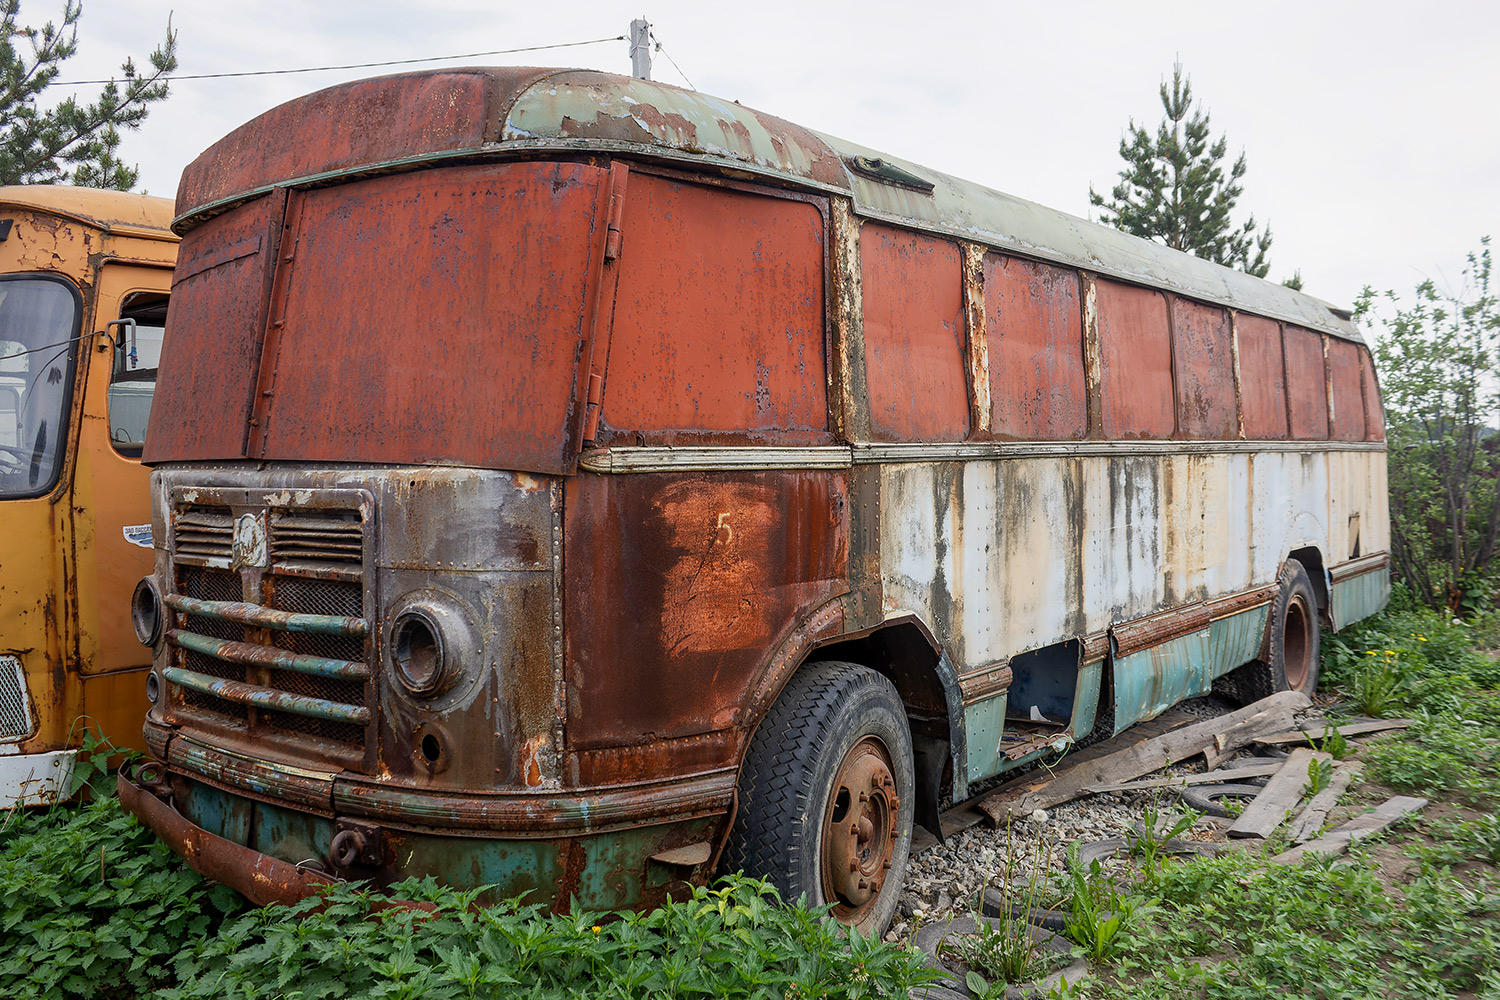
(949, 878)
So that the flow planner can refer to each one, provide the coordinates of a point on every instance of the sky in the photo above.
(1371, 129)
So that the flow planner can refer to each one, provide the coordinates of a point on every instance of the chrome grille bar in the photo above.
(261, 617)
(268, 656)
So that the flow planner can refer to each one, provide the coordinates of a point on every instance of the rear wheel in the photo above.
(827, 795)
(1295, 639)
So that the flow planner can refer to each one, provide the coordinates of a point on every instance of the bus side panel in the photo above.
(680, 586)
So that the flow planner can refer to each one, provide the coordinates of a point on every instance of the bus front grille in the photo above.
(283, 651)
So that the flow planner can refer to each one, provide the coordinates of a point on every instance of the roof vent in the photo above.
(883, 170)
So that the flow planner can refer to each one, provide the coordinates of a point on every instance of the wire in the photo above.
(678, 68)
(46, 347)
(367, 65)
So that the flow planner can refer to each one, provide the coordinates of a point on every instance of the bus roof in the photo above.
(411, 119)
(111, 211)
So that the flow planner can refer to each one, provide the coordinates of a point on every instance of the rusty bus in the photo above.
(576, 484)
(84, 277)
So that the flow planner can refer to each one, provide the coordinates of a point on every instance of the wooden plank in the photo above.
(1269, 809)
(1274, 714)
(1183, 780)
(1320, 730)
(1310, 820)
(1337, 841)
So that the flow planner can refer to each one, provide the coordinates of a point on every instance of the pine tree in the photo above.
(1174, 189)
(70, 142)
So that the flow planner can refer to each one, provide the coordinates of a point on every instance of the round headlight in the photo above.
(145, 611)
(153, 687)
(417, 649)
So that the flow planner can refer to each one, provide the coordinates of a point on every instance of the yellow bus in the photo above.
(84, 280)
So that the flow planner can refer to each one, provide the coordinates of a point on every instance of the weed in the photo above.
(1467, 840)
(1437, 754)
(1333, 743)
(1097, 911)
(1319, 775)
(1378, 683)
(1149, 843)
(1005, 948)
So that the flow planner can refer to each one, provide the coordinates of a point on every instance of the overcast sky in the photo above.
(1371, 129)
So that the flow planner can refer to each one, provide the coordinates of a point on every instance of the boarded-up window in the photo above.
(914, 336)
(1034, 331)
(1136, 356)
(718, 322)
(1348, 399)
(1262, 377)
(1306, 390)
(207, 376)
(1374, 415)
(1204, 365)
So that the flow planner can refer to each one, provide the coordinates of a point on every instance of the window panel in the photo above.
(1262, 378)
(1204, 366)
(1034, 331)
(1307, 391)
(914, 335)
(1136, 357)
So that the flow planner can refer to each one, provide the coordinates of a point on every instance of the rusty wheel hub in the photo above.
(1296, 644)
(859, 829)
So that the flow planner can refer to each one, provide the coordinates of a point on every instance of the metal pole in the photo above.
(640, 49)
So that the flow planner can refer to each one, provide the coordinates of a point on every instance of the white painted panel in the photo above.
(35, 779)
(981, 575)
(1039, 541)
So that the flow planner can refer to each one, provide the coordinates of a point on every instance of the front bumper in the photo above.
(274, 832)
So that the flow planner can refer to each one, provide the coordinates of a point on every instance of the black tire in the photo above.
(1295, 639)
(833, 721)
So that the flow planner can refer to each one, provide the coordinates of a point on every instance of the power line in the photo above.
(678, 68)
(367, 65)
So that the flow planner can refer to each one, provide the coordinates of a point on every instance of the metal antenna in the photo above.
(640, 49)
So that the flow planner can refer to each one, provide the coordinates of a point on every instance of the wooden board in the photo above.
(1184, 780)
(1337, 841)
(1273, 714)
(1319, 730)
(1270, 808)
(1310, 820)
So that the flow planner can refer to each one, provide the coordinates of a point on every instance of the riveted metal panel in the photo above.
(1307, 392)
(1136, 361)
(718, 319)
(1348, 397)
(435, 317)
(1034, 329)
(914, 336)
(1203, 362)
(681, 587)
(1262, 377)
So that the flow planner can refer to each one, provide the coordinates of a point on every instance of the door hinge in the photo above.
(591, 414)
(612, 238)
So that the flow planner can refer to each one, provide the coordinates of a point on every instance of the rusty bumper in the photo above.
(256, 876)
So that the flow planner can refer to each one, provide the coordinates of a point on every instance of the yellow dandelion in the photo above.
(597, 928)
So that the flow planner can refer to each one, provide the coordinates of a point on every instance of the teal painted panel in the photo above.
(1086, 699)
(1360, 596)
(984, 723)
(1151, 681)
(1235, 640)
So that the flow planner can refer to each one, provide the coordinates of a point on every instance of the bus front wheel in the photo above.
(1292, 660)
(827, 794)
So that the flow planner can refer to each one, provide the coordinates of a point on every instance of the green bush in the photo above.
(93, 905)
(734, 940)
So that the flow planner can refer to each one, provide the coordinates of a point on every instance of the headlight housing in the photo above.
(146, 611)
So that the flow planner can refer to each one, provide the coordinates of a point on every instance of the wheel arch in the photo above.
(903, 649)
(1311, 558)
